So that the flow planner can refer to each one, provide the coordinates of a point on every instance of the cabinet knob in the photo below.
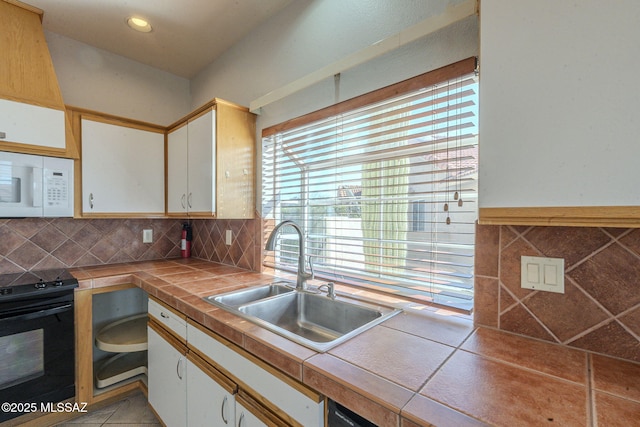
(3, 135)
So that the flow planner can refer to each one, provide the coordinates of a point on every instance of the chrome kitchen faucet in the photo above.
(302, 275)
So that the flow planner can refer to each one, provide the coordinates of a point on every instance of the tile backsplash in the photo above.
(245, 249)
(32, 244)
(600, 309)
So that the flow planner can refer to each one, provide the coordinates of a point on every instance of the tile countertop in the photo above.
(422, 367)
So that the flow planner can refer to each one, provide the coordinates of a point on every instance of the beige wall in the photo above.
(98, 80)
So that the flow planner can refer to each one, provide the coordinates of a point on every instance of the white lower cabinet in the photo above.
(211, 398)
(197, 378)
(246, 418)
(293, 402)
(167, 371)
(167, 368)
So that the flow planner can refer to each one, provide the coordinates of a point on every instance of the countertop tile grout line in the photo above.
(435, 371)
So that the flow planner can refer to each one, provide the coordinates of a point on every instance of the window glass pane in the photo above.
(386, 194)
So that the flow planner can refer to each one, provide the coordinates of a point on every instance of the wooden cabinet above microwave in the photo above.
(32, 112)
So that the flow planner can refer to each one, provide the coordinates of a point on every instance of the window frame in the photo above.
(443, 74)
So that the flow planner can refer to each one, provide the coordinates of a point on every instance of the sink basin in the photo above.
(308, 318)
(244, 296)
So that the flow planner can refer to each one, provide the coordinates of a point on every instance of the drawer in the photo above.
(171, 319)
(287, 396)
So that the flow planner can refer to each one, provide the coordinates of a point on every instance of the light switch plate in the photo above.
(228, 237)
(542, 274)
(147, 236)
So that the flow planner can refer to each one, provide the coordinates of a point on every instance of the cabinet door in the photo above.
(30, 124)
(122, 170)
(246, 418)
(167, 378)
(201, 165)
(299, 403)
(208, 402)
(177, 146)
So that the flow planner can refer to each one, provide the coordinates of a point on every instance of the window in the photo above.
(385, 187)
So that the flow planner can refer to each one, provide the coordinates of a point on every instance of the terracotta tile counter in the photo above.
(421, 367)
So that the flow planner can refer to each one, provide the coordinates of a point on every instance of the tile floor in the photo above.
(131, 411)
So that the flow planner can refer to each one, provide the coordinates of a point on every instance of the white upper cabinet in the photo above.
(201, 164)
(558, 127)
(122, 170)
(210, 164)
(177, 182)
(191, 166)
(33, 125)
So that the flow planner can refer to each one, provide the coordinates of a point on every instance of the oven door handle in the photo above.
(40, 313)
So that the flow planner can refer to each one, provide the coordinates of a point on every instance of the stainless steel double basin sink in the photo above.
(309, 318)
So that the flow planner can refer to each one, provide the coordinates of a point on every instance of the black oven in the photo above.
(37, 342)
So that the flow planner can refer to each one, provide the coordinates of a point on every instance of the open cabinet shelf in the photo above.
(124, 336)
(121, 367)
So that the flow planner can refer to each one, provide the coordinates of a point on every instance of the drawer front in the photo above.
(291, 401)
(169, 318)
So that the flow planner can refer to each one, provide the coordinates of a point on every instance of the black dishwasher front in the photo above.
(339, 416)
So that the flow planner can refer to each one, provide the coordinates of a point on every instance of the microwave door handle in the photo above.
(36, 177)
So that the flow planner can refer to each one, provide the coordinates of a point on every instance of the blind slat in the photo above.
(386, 193)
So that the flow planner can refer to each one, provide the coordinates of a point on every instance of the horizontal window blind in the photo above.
(386, 192)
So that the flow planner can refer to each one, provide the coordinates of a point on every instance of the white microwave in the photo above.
(35, 186)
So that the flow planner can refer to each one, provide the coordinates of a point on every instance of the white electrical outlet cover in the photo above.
(147, 236)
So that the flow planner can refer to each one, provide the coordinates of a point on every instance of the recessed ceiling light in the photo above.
(139, 24)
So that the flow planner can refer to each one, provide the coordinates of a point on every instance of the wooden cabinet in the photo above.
(32, 112)
(191, 174)
(167, 364)
(122, 168)
(211, 397)
(167, 378)
(557, 135)
(250, 416)
(217, 383)
(95, 309)
(210, 163)
(270, 395)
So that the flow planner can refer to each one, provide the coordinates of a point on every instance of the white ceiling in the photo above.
(187, 35)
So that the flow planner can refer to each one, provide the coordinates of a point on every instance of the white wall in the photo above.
(304, 37)
(558, 95)
(101, 81)
(308, 35)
